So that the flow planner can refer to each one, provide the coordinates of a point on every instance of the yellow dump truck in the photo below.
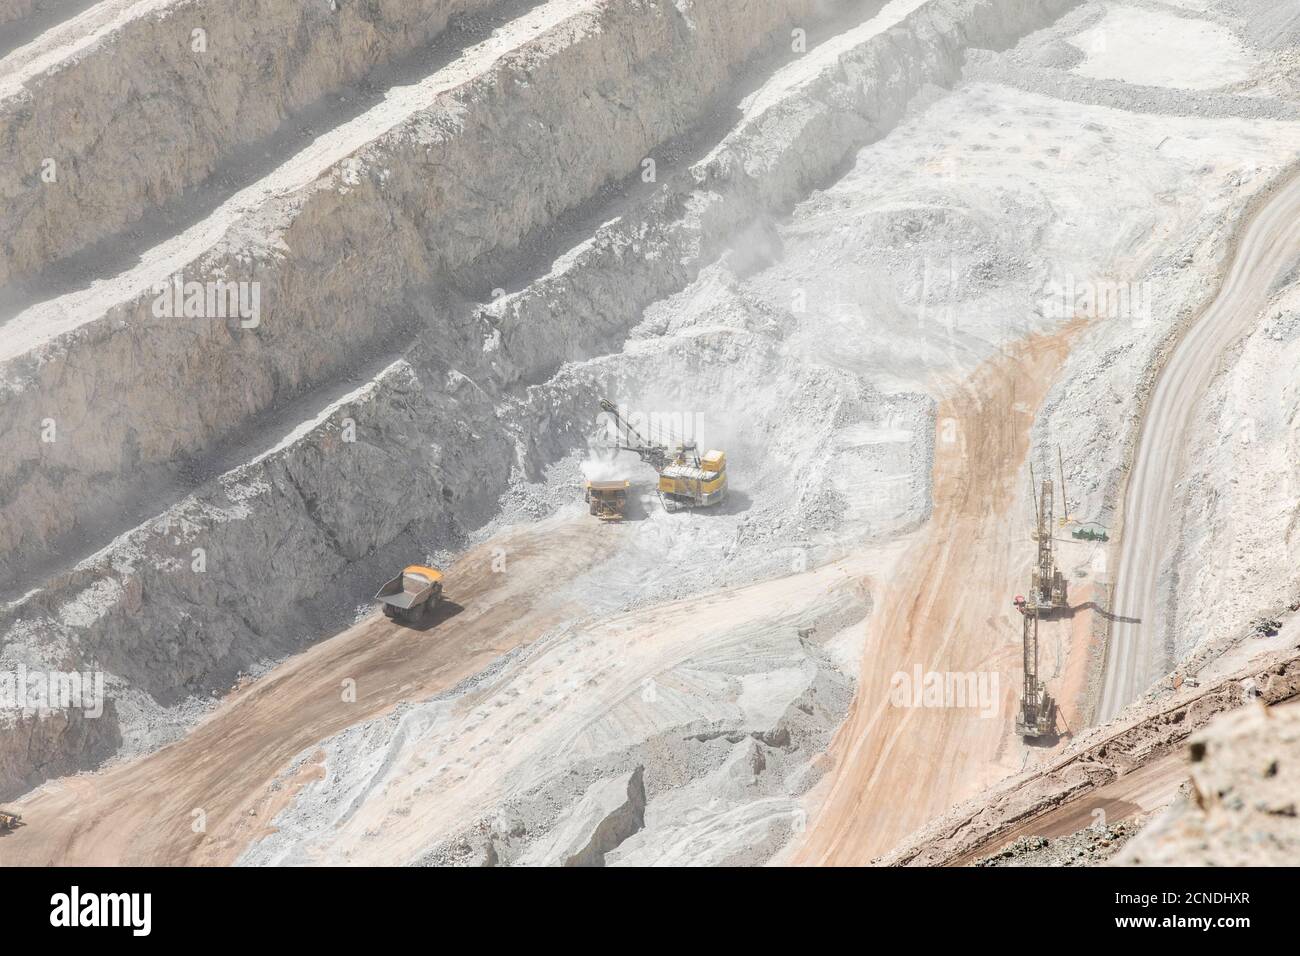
(607, 500)
(9, 821)
(411, 595)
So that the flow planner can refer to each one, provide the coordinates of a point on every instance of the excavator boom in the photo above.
(687, 479)
(632, 440)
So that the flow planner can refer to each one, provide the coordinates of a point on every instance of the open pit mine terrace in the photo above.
(720, 386)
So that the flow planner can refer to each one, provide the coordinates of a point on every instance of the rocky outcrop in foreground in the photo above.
(1241, 806)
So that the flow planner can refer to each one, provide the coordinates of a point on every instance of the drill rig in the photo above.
(687, 479)
(1047, 594)
(1047, 583)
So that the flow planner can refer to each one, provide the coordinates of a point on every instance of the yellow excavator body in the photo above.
(695, 485)
(686, 479)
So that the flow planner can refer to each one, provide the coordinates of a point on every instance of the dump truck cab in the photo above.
(607, 500)
(411, 595)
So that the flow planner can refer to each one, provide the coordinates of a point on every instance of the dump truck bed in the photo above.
(608, 499)
(399, 597)
(409, 588)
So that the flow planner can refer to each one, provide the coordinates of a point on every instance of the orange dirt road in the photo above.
(144, 811)
(949, 611)
(1150, 787)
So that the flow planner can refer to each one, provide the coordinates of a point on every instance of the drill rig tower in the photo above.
(1047, 591)
(1037, 716)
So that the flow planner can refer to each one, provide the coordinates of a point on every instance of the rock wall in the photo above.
(16, 10)
(197, 98)
(414, 457)
(493, 159)
(1241, 809)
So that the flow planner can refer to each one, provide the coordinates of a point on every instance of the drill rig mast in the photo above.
(1047, 584)
(1047, 593)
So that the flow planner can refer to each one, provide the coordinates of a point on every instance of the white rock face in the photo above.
(435, 442)
(1161, 49)
(449, 277)
(1239, 547)
(1241, 808)
(16, 10)
(203, 80)
(607, 814)
(110, 372)
(642, 738)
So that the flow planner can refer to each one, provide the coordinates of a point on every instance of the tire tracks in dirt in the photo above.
(948, 611)
(142, 812)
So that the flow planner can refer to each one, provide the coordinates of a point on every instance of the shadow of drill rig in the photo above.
(1108, 615)
(1047, 613)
